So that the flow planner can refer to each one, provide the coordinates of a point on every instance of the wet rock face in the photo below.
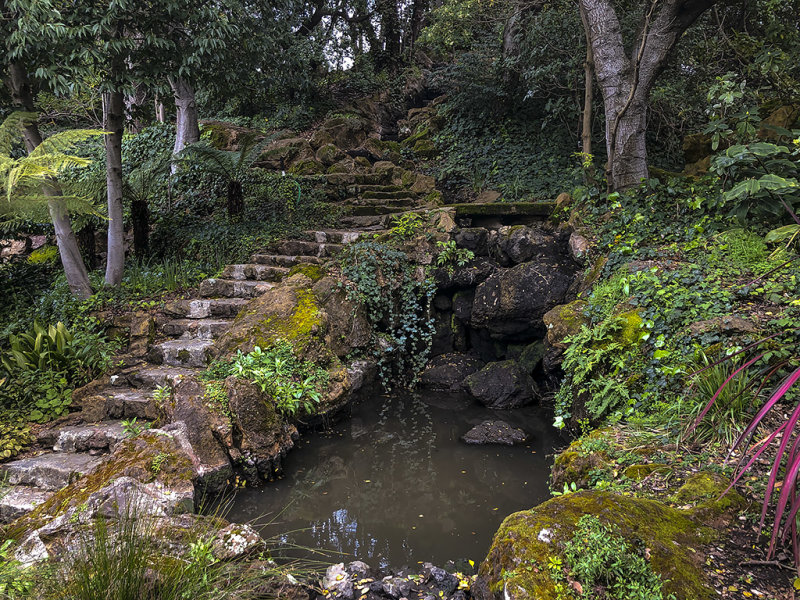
(512, 301)
(447, 372)
(494, 432)
(502, 385)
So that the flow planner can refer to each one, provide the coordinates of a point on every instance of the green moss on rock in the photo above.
(563, 321)
(529, 538)
(312, 271)
(639, 472)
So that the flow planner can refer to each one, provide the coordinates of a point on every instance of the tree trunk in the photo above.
(71, 260)
(588, 91)
(160, 111)
(390, 31)
(415, 27)
(114, 121)
(87, 244)
(134, 106)
(626, 81)
(235, 198)
(187, 130)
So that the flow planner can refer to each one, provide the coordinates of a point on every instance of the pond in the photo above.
(394, 485)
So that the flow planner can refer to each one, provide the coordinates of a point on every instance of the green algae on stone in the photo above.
(709, 494)
(531, 537)
(640, 472)
(313, 271)
(564, 320)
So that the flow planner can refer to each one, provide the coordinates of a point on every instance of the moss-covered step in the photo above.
(182, 353)
(255, 272)
(396, 195)
(405, 200)
(366, 222)
(200, 329)
(502, 209)
(373, 211)
(233, 288)
(357, 190)
(19, 500)
(201, 308)
(50, 471)
(281, 260)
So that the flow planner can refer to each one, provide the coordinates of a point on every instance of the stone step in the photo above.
(50, 471)
(356, 190)
(83, 438)
(202, 308)
(372, 202)
(337, 236)
(127, 403)
(396, 195)
(19, 500)
(279, 260)
(152, 377)
(365, 221)
(181, 353)
(255, 272)
(201, 329)
(305, 248)
(372, 211)
(233, 288)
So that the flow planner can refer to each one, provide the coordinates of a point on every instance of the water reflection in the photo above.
(394, 485)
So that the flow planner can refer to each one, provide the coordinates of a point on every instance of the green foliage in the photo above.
(15, 434)
(407, 225)
(15, 580)
(43, 366)
(451, 256)
(295, 386)
(398, 306)
(131, 428)
(608, 566)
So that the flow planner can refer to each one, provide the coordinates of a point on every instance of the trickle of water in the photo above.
(393, 484)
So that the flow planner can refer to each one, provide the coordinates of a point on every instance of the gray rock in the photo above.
(513, 301)
(20, 500)
(338, 582)
(502, 385)
(494, 432)
(83, 438)
(396, 587)
(446, 582)
(128, 403)
(518, 244)
(473, 238)
(234, 541)
(233, 288)
(448, 371)
(578, 247)
(182, 353)
(49, 471)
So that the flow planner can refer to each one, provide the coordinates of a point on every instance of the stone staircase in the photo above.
(184, 345)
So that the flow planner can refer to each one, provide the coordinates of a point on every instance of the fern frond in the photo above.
(251, 151)
(218, 162)
(11, 129)
(63, 142)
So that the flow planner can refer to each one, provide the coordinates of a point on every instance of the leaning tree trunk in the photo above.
(114, 121)
(71, 260)
(625, 81)
(187, 130)
(588, 91)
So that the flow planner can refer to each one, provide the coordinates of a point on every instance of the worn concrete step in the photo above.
(279, 260)
(254, 272)
(152, 377)
(305, 248)
(126, 403)
(202, 308)
(232, 288)
(19, 500)
(182, 353)
(91, 438)
(50, 471)
(202, 329)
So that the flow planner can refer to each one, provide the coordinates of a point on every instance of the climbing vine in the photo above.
(397, 297)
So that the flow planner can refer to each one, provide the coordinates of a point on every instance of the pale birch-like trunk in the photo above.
(625, 81)
(114, 122)
(187, 129)
(68, 249)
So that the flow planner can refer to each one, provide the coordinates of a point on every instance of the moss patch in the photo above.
(312, 271)
(529, 538)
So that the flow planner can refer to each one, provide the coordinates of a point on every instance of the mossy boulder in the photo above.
(425, 148)
(516, 566)
(285, 153)
(227, 136)
(708, 496)
(575, 466)
(307, 167)
(329, 154)
(640, 472)
(347, 131)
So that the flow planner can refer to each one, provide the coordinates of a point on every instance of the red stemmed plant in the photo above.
(787, 437)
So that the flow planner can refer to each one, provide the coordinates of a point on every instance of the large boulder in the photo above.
(674, 539)
(564, 320)
(448, 371)
(519, 243)
(346, 132)
(513, 301)
(282, 154)
(263, 437)
(502, 385)
(494, 432)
